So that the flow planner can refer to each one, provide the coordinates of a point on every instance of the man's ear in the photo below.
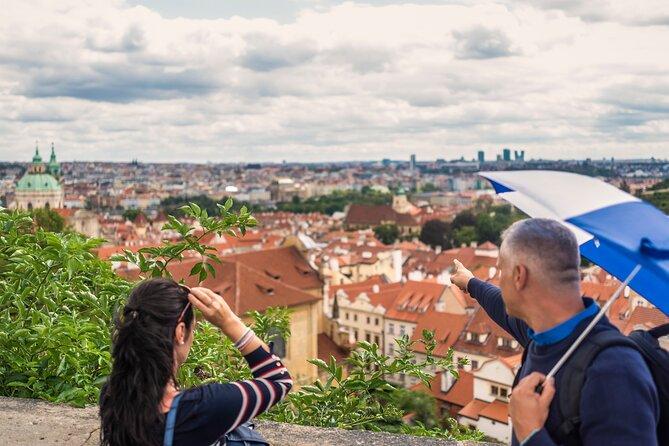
(520, 273)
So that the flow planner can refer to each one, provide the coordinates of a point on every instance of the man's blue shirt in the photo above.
(563, 330)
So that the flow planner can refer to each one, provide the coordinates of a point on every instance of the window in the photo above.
(355, 318)
(369, 321)
(503, 392)
(402, 330)
(346, 315)
(368, 337)
(277, 343)
(494, 390)
(355, 335)
(377, 340)
(391, 328)
(376, 321)
(475, 365)
(391, 348)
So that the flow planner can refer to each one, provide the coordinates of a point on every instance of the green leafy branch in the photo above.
(153, 261)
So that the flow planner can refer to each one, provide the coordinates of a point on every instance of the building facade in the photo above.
(39, 187)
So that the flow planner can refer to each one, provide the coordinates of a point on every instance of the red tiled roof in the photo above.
(497, 410)
(473, 409)
(646, 317)
(446, 327)
(414, 300)
(374, 215)
(466, 255)
(482, 324)
(460, 393)
(601, 292)
(285, 264)
(244, 288)
(327, 348)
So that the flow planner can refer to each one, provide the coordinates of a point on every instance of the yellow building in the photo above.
(258, 280)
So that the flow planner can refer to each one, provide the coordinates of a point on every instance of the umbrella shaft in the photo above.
(592, 323)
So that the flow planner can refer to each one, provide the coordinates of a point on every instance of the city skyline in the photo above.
(325, 81)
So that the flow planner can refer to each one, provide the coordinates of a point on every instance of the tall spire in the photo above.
(53, 154)
(37, 158)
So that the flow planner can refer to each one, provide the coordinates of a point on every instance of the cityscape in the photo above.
(358, 251)
(334, 222)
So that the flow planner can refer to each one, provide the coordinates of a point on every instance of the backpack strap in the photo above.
(573, 378)
(659, 331)
(522, 362)
(171, 420)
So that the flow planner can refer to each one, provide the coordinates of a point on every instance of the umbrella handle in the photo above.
(590, 326)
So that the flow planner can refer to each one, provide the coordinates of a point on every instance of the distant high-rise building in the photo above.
(412, 164)
(481, 156)
(506, 154)
(519, 155)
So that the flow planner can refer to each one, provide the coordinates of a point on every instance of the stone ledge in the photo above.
(34, 422)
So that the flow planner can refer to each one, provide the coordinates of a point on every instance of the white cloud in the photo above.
(106, 80)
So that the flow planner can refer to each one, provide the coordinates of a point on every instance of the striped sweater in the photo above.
(207, 412)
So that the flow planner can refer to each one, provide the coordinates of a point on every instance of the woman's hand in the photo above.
(213, 307)
(218, 312)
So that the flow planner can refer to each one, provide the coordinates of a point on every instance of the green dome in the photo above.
(37, 182)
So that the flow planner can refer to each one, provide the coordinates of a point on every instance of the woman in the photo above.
(153, 337)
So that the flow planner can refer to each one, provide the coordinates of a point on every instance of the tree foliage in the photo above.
(57, 302)
(387, 233)
(48, 219)
(365, 399)
(436, 233)
(335, 202)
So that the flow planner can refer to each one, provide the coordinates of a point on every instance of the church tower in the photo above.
(54, 167)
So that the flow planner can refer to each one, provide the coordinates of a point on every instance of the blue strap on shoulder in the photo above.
(171, 419)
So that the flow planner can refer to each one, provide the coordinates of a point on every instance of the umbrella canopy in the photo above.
(614, 229)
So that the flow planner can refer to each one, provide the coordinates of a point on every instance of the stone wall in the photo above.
(32, 422)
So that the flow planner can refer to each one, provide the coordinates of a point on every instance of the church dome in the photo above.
(37, 182)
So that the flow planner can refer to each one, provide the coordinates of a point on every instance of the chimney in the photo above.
(375, 288)
(397, 265)
(437, 249)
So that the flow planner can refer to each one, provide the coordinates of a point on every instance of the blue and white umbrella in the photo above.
(626, 236)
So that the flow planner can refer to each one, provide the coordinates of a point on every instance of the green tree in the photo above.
(436, 233)
(57, 302)
(387, 233)
(465, 235)
(365, 399)
(421, 405)
(464, 218)
(131, 214)
(429, 187)
(49, 220)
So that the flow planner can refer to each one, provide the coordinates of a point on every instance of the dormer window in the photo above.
(266, 290)
(274, 275)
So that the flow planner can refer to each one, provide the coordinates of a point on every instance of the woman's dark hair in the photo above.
(142, 355)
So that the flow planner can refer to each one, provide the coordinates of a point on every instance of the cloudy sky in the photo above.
(301, 80)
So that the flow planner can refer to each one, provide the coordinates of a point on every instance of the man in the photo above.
(539, 303)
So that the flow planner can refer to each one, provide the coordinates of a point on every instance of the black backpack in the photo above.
(573, 377)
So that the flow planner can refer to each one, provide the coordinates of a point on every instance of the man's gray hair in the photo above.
(548, 245)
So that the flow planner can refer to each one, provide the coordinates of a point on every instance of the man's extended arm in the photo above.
(490, 298)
